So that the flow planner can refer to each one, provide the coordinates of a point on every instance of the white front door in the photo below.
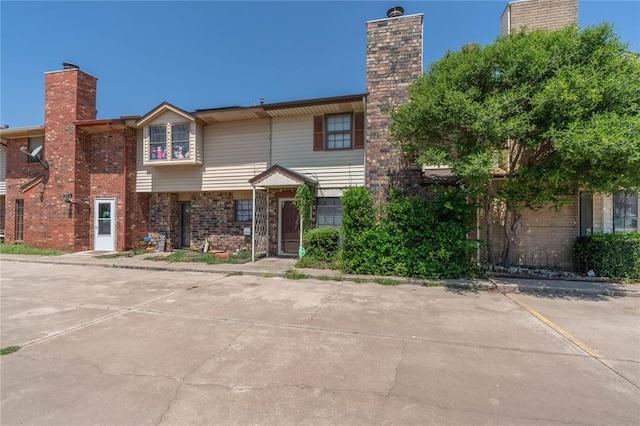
(105, 225)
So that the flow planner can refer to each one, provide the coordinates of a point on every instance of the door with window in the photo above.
(104, 225)
(289, 235)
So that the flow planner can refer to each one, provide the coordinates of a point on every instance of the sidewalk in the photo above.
(277, 266)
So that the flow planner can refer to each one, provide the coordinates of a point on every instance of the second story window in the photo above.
(338, 131)
(157, 142)
(335, 132)
(180, 141)
(34, 143)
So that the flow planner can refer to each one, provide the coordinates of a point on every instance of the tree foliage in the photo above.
(550, 112)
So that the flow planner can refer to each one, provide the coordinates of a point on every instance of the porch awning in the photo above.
(281, 177)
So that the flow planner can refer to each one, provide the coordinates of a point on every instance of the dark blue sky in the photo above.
(209, 54)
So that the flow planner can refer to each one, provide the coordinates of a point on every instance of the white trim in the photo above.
(253, 228)
(113, 236)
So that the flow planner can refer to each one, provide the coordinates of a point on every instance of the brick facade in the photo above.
(212, 218)
(394, 60)
(539, 14)
(83, 165)
(544, 240)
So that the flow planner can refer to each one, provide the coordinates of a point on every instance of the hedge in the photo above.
(616, 256)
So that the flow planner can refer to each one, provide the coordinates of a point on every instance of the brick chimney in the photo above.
(538, 14)
(70, 95)
(394, 60)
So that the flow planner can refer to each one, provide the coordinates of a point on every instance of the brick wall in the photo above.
(86, 165)
(70, 95)
(545, 238)
(540, 14)
(212, 218)
(106, 174)
(394, 60)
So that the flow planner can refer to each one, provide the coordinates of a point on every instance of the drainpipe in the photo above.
(270, 142)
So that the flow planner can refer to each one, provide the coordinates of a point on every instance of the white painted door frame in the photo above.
(104, 224)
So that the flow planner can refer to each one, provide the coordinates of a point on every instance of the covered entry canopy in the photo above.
(276, 177)
(279, 177)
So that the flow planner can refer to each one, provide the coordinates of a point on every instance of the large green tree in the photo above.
(547, 113)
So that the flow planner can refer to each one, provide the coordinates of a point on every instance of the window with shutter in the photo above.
(338, 132)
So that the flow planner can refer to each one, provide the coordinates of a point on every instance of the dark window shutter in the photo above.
(358, 134)
(318, 133)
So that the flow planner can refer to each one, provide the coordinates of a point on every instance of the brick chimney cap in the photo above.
(395, 12)
(69, 66)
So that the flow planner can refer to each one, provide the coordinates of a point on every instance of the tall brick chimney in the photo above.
(538, 14)
(394, 60)
(70, 95)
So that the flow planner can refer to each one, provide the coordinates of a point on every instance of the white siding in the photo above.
(234, 153)
(3, 170)
(293, 149)
(168, 117)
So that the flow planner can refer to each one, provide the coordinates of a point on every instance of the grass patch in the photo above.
(360, 280)
(293, 274)
(208, 258)
(268, 275)
(234, 273)
(325, 278)
(25, 249)
(9, 350)
(430, 284)
(386, 281)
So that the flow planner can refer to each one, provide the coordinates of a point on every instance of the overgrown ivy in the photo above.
(303, 201)
(414, 236)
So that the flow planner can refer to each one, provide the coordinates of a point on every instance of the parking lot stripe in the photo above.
(557, 328)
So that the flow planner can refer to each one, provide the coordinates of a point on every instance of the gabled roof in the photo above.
(278, 176)
(161, 109)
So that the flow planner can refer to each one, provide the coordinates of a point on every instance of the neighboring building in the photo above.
(207, 172)
(69, 183)
(546, 236)
(228, 175)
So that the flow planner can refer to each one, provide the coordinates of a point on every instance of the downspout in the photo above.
(270, 141)
(124, 190)
(366, 140)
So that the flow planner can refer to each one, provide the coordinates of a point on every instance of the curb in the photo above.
(490, 285)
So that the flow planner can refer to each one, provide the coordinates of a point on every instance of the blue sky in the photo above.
(210, 54)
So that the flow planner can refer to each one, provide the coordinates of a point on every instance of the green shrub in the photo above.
(416, 237)
(322, 243)
(616, 256)
(358, 211)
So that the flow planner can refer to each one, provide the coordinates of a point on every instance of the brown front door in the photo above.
(289, 228)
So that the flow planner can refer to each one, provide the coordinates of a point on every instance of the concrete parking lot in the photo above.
(117, 346)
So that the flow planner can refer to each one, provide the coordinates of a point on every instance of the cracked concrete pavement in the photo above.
(131, 347)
